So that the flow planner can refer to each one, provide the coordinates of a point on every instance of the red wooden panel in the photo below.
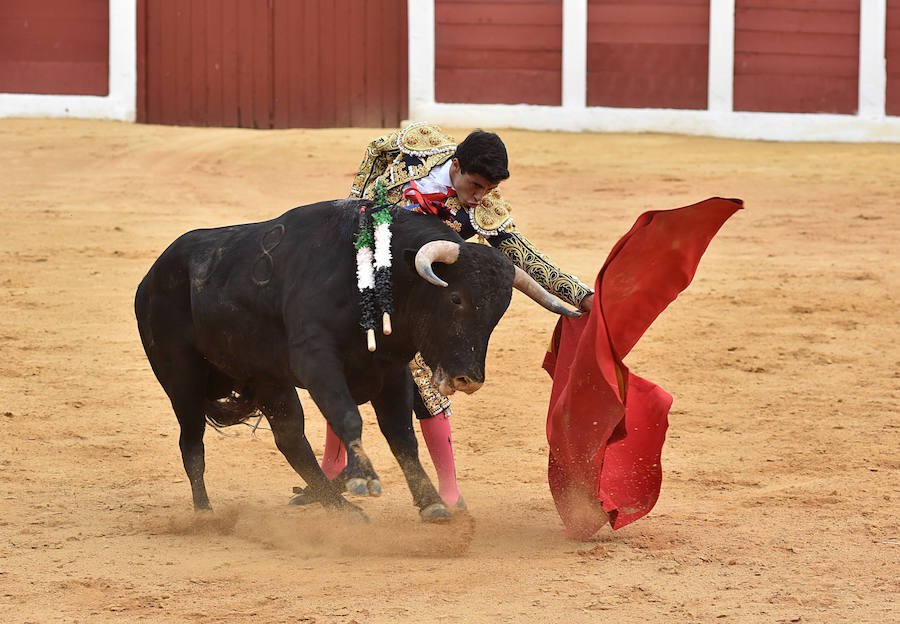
(199, 44)
(499, 59)
(312, 67)
(634, 75)
(643, 58)
(272, 63)
(807, 94)
(141, 91)
(183, 76)
(54, 47)
(49, 78)
(55, 41)
(687, 12)
(513, 37)
(800, 5)
(810, 43)
(497, 13)
(230, 86)
(661, 4)
(484, 86)
(245, 65)
(374, 88)
(261, 50)
(65, 10)
(798, 57)
(650, 33)
(792, 20)
(212, 69)
(283, 63)
(892, 53)
(170, 97)
(394, 76)
(356, 75)
(148, 106)
(327, 78)
(797, 65)
(500, 52)
(648, 53)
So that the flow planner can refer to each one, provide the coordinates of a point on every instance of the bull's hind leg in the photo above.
(182, 372)
(393, 407)
(188, 406)
(285, 415)
(183, 377)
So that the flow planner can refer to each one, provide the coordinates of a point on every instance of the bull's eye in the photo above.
(454, 298)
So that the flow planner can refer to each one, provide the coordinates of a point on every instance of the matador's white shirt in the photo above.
(437, 180)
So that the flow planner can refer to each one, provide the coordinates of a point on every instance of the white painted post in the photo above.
(574, 54)
(720, 90)
(420, 22)
(122, 59)
(872, 62)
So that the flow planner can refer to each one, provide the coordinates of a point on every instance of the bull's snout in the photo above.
(447, 385)
(466, 384)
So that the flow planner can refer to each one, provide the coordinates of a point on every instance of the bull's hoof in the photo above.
(302, 496)
(435, 512)
(460, 504)
(358, 486)
(374, 487)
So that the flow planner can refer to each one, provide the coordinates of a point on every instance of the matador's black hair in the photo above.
(483, 153)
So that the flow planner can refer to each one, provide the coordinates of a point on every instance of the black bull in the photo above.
(233, 319)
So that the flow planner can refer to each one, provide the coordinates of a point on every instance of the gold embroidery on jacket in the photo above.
(526, 256)
(435, 402)
(383, 160)
(491, 215)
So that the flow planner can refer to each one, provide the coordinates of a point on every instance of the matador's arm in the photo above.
(378, 154)
(491, 218)
(524, 254)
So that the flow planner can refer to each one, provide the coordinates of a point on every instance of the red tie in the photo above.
(430, 202)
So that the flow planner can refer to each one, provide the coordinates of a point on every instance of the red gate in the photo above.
(272, 63)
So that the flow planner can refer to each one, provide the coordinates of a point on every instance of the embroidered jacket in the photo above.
(412, 153)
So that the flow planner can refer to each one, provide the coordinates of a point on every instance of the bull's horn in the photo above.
(527, 285)
(435, 251)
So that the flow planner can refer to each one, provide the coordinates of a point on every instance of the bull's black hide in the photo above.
(233, 319)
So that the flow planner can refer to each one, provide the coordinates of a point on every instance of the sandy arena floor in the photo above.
(780, 498)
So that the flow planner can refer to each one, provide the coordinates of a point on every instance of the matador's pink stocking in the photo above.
(335, 457)
(436, 431)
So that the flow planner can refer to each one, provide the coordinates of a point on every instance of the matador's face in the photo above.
(470, 187)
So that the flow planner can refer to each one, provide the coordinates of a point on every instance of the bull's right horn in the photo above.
(435, 251)
(526, 284)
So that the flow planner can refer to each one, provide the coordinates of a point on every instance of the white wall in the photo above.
(121, 103)
(870, 124)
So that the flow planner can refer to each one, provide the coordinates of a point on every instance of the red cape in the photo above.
(605, 425)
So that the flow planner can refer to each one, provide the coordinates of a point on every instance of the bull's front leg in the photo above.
(393, 407)
(285, 415)
(333, 398)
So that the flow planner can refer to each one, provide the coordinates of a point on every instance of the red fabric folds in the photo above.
(606, 426)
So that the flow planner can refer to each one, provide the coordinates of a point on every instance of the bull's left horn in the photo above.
(435, 251)
(527, 285)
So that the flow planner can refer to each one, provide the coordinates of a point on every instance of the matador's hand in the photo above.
(587, 302)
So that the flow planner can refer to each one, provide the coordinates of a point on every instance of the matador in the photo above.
(423, 169)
